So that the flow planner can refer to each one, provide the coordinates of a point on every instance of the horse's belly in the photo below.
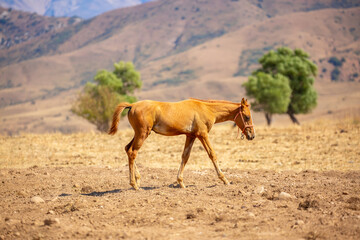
(168, 130)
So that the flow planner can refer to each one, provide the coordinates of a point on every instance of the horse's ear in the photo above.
(243, 102)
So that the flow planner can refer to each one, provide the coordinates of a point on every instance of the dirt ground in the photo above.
(289, 183)
(97, 203)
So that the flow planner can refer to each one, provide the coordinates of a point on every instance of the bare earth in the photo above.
(289, 183)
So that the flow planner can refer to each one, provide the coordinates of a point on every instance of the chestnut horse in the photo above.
(192, 117)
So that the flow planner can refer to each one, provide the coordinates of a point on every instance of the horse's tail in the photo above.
(116, 117)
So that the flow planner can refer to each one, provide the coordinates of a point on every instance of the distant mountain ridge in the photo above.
(69, 8)
(183, 48)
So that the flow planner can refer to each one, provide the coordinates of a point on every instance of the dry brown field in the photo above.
(293, 182)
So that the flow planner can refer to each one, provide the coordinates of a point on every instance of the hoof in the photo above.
(226, 182)
(181, 184)
(135, 187)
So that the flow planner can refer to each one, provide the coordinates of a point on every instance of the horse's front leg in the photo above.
(137, 175)
(207, 145)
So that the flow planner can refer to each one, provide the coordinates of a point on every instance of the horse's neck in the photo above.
(224, 111)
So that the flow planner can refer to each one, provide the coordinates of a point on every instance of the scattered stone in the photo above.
(21, 194)
(37, 199)
(51, 221)
(285, 196)
(87, 189)
(251, 215)
(190, 216)
(51, 212)
(260, 190)
(30, 175)
(305, 205)
(200, 210)
(219, 218)
(10, 221)
(353, 203)
(299, 222)
(312, 235)
(69, 207)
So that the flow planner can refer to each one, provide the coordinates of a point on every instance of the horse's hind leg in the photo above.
(132, 149)
(206, 143)
(137, 174)
(185, 157)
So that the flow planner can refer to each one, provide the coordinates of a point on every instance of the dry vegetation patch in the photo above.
(321, 145)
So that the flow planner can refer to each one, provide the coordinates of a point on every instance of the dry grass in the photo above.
(321, 145)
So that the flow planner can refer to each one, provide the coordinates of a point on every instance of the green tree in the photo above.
(283, 83)
(98, 100)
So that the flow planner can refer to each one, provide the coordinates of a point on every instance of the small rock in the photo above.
(260, 190)
(51, 221)
(21, 194)
(51, 212)
(307, 204)
(299, 222)
(219, 218)
(37, 199)
(285, 196)
(87, 189)
(251, 215)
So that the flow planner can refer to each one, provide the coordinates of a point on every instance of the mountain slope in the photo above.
(193, 22)
(204, 70)
(17, 27)
(69, 8)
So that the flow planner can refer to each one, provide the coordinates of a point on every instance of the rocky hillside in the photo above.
(69, 8)
(182, 49)
(17, 27)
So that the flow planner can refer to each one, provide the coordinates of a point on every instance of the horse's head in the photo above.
(244, 121)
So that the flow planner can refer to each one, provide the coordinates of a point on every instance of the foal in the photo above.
(191, 117)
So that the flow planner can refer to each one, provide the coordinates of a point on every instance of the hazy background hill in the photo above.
(69, 8)
(203, 49)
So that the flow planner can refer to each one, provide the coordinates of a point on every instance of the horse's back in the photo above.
(167, 118)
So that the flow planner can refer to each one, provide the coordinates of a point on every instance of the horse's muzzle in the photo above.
(250, 135)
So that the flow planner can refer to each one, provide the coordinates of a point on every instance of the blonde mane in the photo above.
(214, 101)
